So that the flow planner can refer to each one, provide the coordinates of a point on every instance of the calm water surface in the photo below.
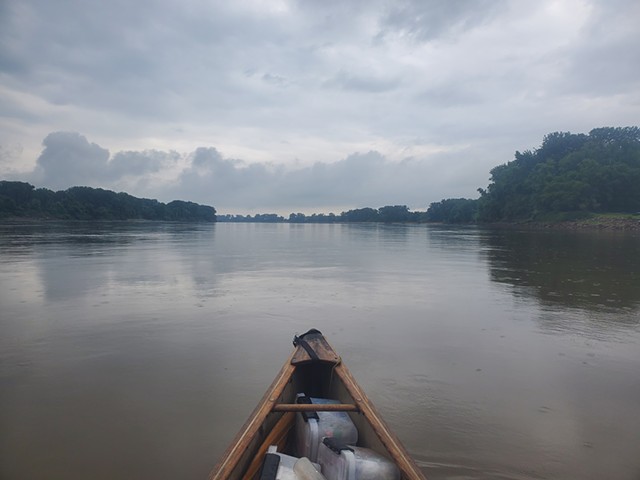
(136, 351)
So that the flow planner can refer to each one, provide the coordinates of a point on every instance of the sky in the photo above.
(303, 106)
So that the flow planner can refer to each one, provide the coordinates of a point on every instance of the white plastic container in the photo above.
(354, 463)
(311, 429)
(291, 468)
(305, 470)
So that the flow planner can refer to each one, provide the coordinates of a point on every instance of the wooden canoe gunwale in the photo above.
(233, 454)
(270, 406)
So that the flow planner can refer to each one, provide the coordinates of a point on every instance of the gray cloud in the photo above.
(8, 154)
(426, 20)
(140, 163)
(274, 83)
(69, 159)
(452, 94)
(361, 179)
(370, 83)
(606, 62)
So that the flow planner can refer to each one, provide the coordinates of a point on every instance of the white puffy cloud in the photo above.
(69, 159)
(232, 185)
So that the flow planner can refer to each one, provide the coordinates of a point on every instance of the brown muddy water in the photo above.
(137, 350)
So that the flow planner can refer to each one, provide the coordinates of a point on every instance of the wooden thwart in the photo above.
(323, 407)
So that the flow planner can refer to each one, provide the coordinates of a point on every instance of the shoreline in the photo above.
(626, 224)
(599, 222)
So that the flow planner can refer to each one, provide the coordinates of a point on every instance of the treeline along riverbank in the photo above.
(23, 200)
(387, 214)
(572, 180)
(569, 178)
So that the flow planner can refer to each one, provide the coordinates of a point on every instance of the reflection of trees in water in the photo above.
(454, 238)
(84, 238)
(584, 270)
(76, 258)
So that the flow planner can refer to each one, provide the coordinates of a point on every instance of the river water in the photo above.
(137, 350)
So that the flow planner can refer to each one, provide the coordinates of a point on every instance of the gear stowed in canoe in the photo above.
(315, 421)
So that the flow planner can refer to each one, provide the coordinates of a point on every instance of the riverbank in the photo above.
(605, 221)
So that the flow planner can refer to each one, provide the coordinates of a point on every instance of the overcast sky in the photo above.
(283, 106)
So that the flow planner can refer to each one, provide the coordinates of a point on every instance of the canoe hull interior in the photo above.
(272, 423)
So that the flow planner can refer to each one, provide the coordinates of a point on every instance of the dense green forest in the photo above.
(387, 214)
(569, 176)
(453, 210)
(20, 199)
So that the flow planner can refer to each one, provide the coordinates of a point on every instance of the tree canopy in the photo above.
(386, 214)
(598, 172)
(453, 210)
(20, 199)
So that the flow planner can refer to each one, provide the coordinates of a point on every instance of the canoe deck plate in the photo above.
(320, 346)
